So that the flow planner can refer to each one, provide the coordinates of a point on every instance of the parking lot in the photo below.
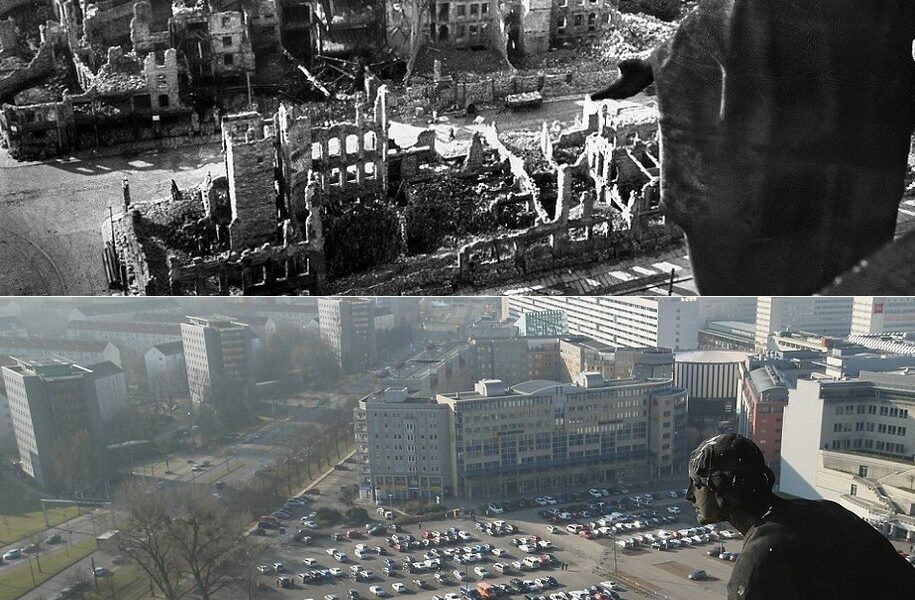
(639, 571)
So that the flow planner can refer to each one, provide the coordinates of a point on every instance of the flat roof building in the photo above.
(218, 356)
(54, 408)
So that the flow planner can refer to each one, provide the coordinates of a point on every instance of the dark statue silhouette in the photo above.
(793, 549)
(785, 128)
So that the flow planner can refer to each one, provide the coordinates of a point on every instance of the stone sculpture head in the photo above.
(728, 475)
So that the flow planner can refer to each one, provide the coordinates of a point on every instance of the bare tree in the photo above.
(206, 537)
(144, 539)
(184, 540)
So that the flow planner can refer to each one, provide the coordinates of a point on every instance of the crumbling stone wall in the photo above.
(574, 20)
(535, 19)
(142, 36)
(263, 19)
(107, 22)
(162, 80)
(248, 144)
(39, 68)
(350, 159)
(38, 130)
(8, 37)
(7, 6)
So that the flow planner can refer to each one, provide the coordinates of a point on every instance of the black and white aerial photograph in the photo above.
(410, 147)
(457, 448)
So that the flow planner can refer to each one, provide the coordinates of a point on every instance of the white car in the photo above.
(452, 596)
(527, 548)
(309, 561)
(574, 528)
(550, 500)
(330, 597)
(546, 544)
(541, 501)
(674, 510)
(532, 585)
(481, 572)
(518, 565)
(336, 572)
(495, 508)
(399, 587)
(558, 596)
(610, 586)
(331, 551)
(595, 493)
(377, 591)
(264, 569)
(459, 575)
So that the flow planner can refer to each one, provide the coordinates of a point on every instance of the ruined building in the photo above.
(310, 202)
(214, 44)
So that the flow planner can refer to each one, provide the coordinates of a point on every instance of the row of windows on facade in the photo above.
(562, 23)
(461, 10)
(512, 460)
(369, 142)
(862, 426)
(872, 409)
(868, 444)
(335, 176)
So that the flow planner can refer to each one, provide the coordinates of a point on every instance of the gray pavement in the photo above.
(53, 211)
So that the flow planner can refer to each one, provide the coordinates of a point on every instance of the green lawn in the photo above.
(20, 513)
(17, 580)
(127, 583)
(218, 472)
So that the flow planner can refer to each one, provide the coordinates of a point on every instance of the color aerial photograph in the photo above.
(457, 448)
(460, 147)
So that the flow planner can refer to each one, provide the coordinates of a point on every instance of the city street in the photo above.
(53, 211)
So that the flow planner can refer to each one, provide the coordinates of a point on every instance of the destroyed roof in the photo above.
(121, 75)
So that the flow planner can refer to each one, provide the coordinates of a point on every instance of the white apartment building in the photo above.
(882, 314)
(348, 327)
(668, 322)
(853, 441)
(821, 315)
(218, 355)
(51, 400)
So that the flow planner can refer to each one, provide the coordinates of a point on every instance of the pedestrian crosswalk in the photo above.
(653, 273)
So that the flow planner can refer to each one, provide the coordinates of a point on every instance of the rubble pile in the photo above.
(179, 225)
(636, 37)
(667, 10)
(360, 236)
(450, 207)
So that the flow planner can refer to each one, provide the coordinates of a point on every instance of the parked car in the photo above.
(377, 591)
(100, 572)
(697, 575)
(284, 581)
(54, 538)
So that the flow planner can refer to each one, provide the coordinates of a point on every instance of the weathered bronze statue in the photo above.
(785, 128)
(793, 549)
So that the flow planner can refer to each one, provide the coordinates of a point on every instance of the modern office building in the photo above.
(668, 322)
(348, 327)
(534, 437)
(110, 383)
(403, 446)
(580, 354)
(543, 323)
(761, 402)
(853, 441)
(52, 400)
(545, 435)
(882, 314)
(166, 373)
(829, 316)
(728, 335)
(712, 378)
(219, 359)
